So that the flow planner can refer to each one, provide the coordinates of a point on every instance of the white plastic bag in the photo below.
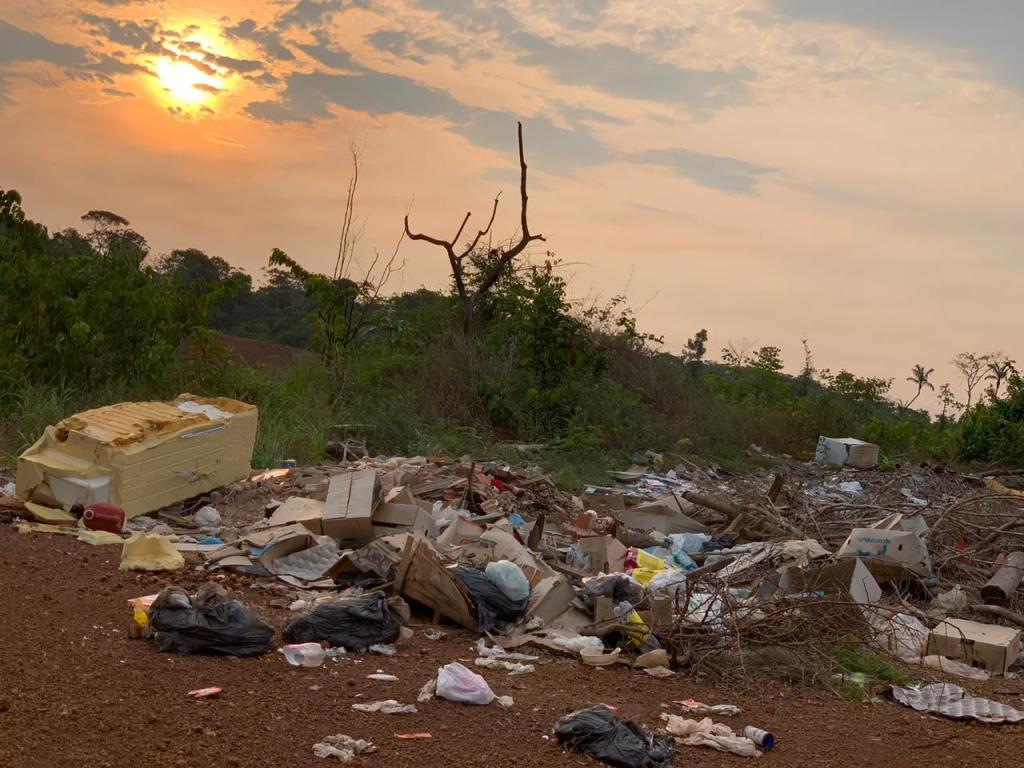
(304, 654)
(207, 517)
(461, 685)
(509, 578)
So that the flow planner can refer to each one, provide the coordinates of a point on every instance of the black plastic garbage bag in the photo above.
(493, 607)
(599, 733)
(355, 623)
(214, 625)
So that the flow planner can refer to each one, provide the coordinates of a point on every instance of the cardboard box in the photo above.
(847, 578)
(140, 456)
(659, 516)
(391, 518)
(846, 451)
(986, 645)
(348, 511)
(891, 551)
(606, 553)
(296, 509)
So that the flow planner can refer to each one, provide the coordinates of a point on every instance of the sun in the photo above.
(185, 83)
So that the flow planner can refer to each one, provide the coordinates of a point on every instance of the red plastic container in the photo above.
(103, 517)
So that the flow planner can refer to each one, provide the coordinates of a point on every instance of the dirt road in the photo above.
(75, 691)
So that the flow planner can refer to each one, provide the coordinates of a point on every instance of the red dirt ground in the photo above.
(75, 691)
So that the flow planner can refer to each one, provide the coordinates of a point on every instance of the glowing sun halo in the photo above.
(184, 83)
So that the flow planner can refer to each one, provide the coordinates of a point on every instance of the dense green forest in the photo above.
(92, 316)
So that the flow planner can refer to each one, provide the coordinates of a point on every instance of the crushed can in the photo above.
(103, 517)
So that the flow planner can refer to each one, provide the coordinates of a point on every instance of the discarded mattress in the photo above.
(954, 702)
(140, 456)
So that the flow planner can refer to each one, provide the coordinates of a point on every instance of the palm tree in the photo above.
(999, 371)
(918, 375)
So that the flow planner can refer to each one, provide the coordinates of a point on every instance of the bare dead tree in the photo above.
(501, 256)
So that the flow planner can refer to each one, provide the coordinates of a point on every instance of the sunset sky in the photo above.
(852, 171)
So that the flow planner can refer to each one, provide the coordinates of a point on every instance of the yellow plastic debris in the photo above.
(24, 527)
(143, 552)
(44, 514)
(99, 538)
(647, 567)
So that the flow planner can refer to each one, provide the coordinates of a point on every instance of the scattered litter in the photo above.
(297, 605)
(655, 658)
(205, 693)
(388, 707)
(954, 702)
(596, 657)
(659, 671)
(578, 643)
(427, 691)
(912, 499)
(700, 708)
(598, 732)
(381, 677)
(458, 684)
(500, 653)
(852, 486)
(345, 748)
(707, 733)
(951, 666)
(512, 667)
(207, 517)
(384, 650)
(952, 601)
(303, 654)
(413, 736)
(433, 634)
(506, 702)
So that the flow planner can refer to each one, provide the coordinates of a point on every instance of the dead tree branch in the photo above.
(502, 256)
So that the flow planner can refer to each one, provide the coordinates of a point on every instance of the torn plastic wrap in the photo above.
(216, 626)
(355, 623)
(599, 733)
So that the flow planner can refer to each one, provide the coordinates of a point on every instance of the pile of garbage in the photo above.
(669, 566)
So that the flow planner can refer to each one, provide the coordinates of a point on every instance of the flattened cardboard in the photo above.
(348, 511)
(659, 516)
(990, 646)
(296, 509)
(140, 456)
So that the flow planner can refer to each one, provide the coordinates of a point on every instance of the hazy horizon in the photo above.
(848, 172)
